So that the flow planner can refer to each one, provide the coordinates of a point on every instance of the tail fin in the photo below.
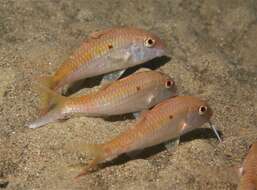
(44, 86)
(94, 150)
(53, 109)
(50, 117)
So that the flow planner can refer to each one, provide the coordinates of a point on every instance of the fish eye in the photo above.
(149, 42)
(202, 110)
(168, 83)
(250, 146)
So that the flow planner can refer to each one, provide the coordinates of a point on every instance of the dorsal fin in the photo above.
(98, 34)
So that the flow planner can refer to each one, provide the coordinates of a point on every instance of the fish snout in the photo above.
(161, 52)
(160, 47)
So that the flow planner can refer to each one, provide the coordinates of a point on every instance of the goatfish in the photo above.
(248, 180)
(134, 93)
(168, 120)
(106, 51)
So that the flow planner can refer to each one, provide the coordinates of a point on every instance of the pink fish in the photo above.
(104, 52)
(168, 120)
(110, 50)
(248, 171)
(137, 92)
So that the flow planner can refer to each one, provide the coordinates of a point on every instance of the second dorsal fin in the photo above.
(98, 34)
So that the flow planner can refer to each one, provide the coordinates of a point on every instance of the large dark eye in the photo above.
(202, 110)
(149, 42)
(168, 83)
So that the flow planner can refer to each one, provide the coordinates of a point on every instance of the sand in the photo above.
(212, 48)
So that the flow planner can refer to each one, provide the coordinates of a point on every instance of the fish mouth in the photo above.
(161, 52)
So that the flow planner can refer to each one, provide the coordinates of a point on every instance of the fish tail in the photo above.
(44, 86)
(97, 152)
(54, 110)
(47, 81)
(50, 117)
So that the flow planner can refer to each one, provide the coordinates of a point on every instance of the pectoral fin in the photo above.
(112, 77)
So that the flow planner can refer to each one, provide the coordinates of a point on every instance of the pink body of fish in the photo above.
(248, 172)
(107, 51)
(139, 91)
(168, 120)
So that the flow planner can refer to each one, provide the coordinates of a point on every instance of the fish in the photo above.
(248, 179)
(168, 120)
(113, 49)
(134, 93)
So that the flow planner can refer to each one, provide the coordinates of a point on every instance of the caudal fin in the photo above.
(44, 87)
(49, 117)
(54, 107)
(94, 150)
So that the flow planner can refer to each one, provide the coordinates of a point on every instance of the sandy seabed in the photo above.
(212, 48)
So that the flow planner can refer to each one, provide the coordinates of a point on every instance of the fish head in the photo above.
(198, 112)
(166, 87)
(145, 47)
(153, 44)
